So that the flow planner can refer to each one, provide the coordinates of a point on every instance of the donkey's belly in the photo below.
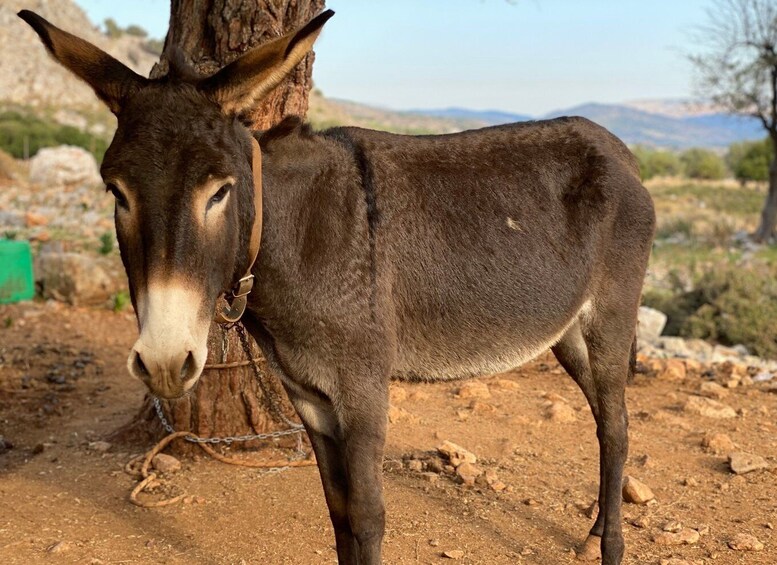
(457, 356)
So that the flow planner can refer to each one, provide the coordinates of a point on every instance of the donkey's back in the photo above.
(492, 242)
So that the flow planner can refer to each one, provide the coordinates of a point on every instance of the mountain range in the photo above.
(667, 126)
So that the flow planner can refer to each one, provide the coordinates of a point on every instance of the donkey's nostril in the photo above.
(187, 367)
(140, 367)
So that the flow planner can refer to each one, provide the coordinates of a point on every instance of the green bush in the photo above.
(750, 160)
(135, 30)
(728, 304)
(657, 162)
(703, 164)
(15, 127)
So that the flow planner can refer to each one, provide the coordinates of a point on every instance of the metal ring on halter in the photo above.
(237, 304)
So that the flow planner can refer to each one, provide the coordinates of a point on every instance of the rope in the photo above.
(272, 401)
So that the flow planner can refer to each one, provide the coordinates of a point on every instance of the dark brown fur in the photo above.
(387, 256)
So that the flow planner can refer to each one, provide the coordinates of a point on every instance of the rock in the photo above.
(685, 536)
(59, 547)
(99, 446)
(73, 278)
(468, 473)
(674, 561)
(636, 492)
(561, 412)
(165, 463)
(64, 165)
(745, 542)
(713, 390)
(651, 324)
(453, 554)
(397, 394)
(718, 443)
(456, 454)
(397, 414)
(709, 408)
(741, 462)
(674, 370)
(505, 384)
(672, 526)
(473, 389)
(415, 465)
(430, 477)
(642, 522)
(31, 219)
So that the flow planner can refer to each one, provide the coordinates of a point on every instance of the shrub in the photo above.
(106, 243)
(15, 127)
(729, 304)
(750, 160)
(703, 164)
(657, 163)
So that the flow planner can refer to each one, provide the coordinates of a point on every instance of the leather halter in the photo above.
(237, 296)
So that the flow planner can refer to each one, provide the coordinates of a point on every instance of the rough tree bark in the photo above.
(212, 33)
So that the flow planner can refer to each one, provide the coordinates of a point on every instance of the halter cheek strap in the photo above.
(237, 297)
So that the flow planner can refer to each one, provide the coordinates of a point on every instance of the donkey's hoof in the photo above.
(591, 549)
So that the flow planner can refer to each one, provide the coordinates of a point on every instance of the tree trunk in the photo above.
(212, 33)
(765, 230)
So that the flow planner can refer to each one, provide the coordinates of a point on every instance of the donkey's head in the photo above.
(186, 176)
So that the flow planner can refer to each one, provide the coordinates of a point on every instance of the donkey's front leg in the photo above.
(364, 435)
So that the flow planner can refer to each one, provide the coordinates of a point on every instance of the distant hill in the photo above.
(487, 117)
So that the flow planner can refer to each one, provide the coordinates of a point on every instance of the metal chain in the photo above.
(272, 402)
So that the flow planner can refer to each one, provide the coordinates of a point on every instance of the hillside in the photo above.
(29, 77)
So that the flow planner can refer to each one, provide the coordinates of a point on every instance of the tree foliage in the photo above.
(737, 69)
(657, 162)
(749, 160)
(703, 164)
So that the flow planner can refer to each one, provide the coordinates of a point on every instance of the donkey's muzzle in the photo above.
(165, 373)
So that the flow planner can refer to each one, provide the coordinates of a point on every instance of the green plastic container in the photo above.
(16, 281)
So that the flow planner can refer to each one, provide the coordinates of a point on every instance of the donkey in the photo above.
(424, 258)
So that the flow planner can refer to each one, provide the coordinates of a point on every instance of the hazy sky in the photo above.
(524, 56)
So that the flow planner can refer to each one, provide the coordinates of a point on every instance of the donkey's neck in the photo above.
(315, 217)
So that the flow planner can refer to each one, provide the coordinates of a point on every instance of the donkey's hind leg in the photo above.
(572, 352)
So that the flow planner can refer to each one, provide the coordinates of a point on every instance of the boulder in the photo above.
(651, 324)
(73, 278)
(64, 165)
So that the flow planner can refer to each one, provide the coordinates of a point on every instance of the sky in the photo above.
(523, 56)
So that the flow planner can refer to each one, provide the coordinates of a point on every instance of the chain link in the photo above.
(272, 401)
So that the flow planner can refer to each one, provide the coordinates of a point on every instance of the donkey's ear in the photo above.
(112, 81)
(245, 81)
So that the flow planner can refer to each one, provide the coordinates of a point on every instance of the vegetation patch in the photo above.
(23, 135)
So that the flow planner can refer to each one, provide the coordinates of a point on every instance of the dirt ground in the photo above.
(63, 383)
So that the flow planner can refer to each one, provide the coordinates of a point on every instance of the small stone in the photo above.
(745, 542)
(636, 492)
(685, 536)
(473, 389)
(165, 463)
(456, 454)
(674, 561)
(59, 547)
(642, 522)
(397, 394)
(718, 443)
(430, 477)
(561, 412)
(713, 390)
(505, 384)
(99, 446)
(497, 486)
(651, 323)
(434, 542)
(709, 408)
(468, 472)
(674, 370)
(453, 554)
(672, 526)
(397, 414)
(690, 482)
(418, 395)
(741, 462)
(415, 465)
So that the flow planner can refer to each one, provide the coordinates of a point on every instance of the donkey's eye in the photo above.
(220, 195)
(121, 200)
